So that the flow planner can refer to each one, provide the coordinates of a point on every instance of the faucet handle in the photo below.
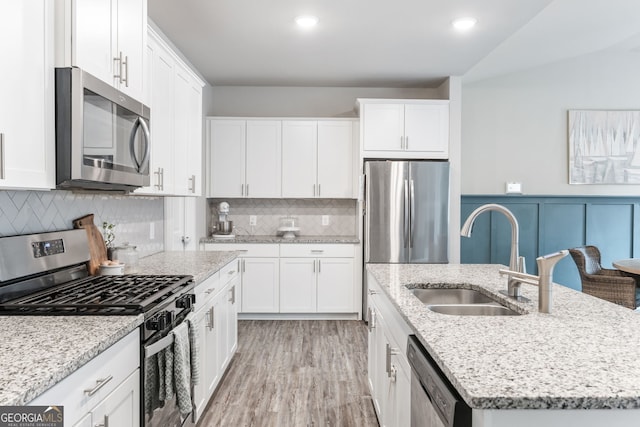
(522, 267)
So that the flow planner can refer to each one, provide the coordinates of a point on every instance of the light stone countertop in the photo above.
(585, 354)
(276, 239)
(36, 352)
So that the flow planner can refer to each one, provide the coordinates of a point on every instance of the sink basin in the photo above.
(473, 310)
(451, 296)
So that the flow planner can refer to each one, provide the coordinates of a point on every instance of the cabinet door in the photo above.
(132, 39)
(181, 131)
(403, 393)
(299, 158)
(264, 153)
(383, 127)
(335, 285)
(220, 323)
(232, 317)
(122, 406)
(211, 361)
(260, 285)
(335, 159)
(199, 390)
(194, 144)
(27, 158)
(298, 285)
(226, 158)
(161, 97)
(427, 129)
(94, 34)
(372, 353)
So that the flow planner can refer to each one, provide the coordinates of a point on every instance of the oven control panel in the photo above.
(47, 247)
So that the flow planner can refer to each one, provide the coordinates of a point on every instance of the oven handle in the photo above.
(156, 347)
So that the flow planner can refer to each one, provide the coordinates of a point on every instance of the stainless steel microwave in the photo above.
(102, 135)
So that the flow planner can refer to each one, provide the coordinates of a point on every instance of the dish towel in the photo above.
(182, 367)
(151, 379)
(195, 348)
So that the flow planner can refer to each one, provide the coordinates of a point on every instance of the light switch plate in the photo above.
(253, 220)
(325, 219)
(514, 187)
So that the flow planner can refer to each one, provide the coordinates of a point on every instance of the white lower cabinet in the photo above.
(216, 319)
(105, 391)
(389, 372)
(295, 278)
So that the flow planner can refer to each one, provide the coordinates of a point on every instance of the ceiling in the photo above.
(376, 43)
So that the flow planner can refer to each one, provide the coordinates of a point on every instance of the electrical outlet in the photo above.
(325, 219)
(514, 187)
(253, 219)
(152, 231)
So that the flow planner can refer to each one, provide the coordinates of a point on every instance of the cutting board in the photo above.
(97, 248)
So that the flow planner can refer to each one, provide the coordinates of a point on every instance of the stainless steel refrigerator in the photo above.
(406, 212)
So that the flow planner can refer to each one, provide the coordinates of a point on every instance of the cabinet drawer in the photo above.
(246, 250)
(317, 250)
(207, 289)
(229, 271)
(110, 368)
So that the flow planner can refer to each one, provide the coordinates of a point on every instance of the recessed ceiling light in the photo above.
(464, 24)
(307, 21)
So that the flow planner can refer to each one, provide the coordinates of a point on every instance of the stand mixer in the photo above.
(223, 228)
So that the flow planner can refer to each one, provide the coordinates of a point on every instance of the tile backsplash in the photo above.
(24, 212)
(309, 212)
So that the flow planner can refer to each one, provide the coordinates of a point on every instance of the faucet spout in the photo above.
(516, 263)
(546, 263)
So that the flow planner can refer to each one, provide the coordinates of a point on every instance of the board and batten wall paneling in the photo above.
(548, 224)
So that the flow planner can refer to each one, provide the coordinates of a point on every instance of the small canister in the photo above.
(128, 255)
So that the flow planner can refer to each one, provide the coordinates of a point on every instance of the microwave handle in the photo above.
(132, 143)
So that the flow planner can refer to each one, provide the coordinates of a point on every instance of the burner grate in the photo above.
(100, 295)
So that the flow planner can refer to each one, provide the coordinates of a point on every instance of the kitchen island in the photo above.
(37, 352)
(533, 369)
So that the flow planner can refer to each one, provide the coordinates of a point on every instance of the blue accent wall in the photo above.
(549, 224)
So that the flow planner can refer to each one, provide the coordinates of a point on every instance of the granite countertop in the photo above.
(276, 239)
(199, 264)
(585, 354)
(36, 352)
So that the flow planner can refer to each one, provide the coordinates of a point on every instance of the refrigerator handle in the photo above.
(412, 211)
(406, 213)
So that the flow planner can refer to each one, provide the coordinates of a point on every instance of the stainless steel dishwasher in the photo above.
(434, 401)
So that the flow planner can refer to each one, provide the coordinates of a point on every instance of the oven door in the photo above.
(158, 411)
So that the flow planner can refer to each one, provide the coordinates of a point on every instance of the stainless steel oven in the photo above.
(102, 135)
(434, 401)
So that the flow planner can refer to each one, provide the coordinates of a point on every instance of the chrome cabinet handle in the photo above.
(162, 179)
(2, 161)
(319, 266)
(232, 299)
(314, 265)
(372, 318)
(125, 64)
(99, 384)
(118, 60)
(372, 292)
(104, 423)
(393, 373)
(242, 190)
(244, 266)
(211, 316)
(390, 352)
(317, 251)
(208, 291)
(192, 184)
(159, 174)
(406, 142)
(401, 142)
(314, 190)
(247, 190)
(231, 272)
(319, 190)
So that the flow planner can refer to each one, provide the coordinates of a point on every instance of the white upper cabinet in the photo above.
(174, 94)
(106, 38)
(244, 158)
(226, 159)
(27, 142)
(335, 159)
(263, 159)
(405, 129)
(299, 158)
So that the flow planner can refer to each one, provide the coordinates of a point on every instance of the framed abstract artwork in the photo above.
(604, 147)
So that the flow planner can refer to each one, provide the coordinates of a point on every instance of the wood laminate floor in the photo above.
(291, 373)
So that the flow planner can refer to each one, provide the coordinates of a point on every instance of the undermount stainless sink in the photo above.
(473, 310)
(451, 296)
(461, 302)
